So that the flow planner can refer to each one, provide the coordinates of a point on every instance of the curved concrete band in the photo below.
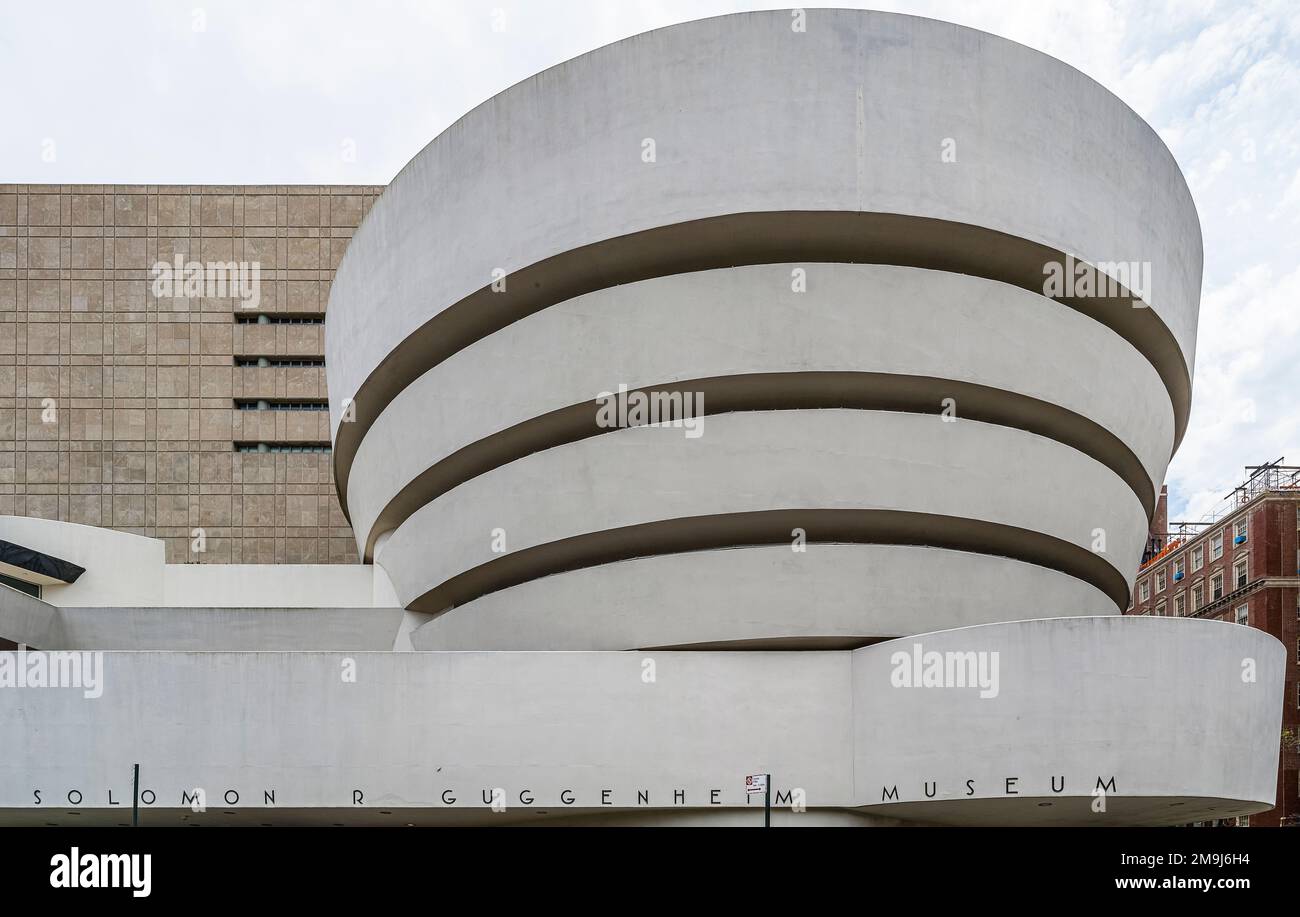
(829, 596)
(1103, 708)
(999, 353)
(768, 145)
(899, 476)
(1154, 709)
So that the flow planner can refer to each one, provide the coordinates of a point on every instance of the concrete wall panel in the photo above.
(1181, 739)
(751, 462)
(765, 597)
(852, 318)
(1167, 708)
(748, 117)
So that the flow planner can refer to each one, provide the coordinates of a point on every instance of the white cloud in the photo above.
(267, 93)
(1244, 409)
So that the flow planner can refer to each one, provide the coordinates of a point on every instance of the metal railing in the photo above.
(1262, 479)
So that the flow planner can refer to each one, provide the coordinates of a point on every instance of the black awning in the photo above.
(46, 565)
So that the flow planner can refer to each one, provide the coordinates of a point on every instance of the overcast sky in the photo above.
(266, 92)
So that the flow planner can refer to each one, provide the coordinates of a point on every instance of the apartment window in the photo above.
(13, 582)
(1240, 571)
(1216, 587)
(1160, 610)
(1216, 545)
(1243, 614)
(1198, 558)
(1180, 605)
(1160, 581)
(264, 319)
(1198, 595)
(265, 362)
(1243, 821)
(265, 405)
(1179, 569)
(283, 447)
(1144, 590)
(1239, 531)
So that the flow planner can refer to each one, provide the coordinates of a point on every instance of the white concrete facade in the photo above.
(757, 595)
(129, 598)
(746, 321)
(848, 116)
(125, 570)
(801, 463)
(894, 537)
(421, 737)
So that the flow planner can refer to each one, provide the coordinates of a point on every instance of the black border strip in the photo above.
(731, 530)
(778, 391)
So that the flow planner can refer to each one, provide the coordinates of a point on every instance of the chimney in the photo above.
(1158, 534)
(1160, 521)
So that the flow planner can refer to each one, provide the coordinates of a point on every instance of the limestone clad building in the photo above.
(163, 415)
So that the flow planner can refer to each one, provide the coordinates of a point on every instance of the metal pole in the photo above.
(767, 803)
(135, 796)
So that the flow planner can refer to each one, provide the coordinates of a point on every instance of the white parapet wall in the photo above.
(1103, 720)
(747, 323)
(121, 568)
(894, 434)
(129, 598)
(838, 244)
(126, 570)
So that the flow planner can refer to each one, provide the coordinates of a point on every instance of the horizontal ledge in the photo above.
(747, 239)
(33, 566)
(728, 530)
(828, 596)
(780, 391)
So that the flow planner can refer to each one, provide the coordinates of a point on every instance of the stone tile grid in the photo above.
(116, 408)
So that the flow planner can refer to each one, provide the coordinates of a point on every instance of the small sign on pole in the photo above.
(761, 783)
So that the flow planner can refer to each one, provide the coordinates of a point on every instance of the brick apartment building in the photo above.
(1241, 566)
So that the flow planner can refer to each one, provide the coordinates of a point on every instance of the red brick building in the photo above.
(1240, 566)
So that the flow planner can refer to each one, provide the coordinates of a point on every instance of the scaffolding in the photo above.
(1270, 478)
(1273, 477)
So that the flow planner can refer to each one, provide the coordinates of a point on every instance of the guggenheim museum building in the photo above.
(781, 393)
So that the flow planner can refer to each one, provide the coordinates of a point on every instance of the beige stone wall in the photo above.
(118, 409)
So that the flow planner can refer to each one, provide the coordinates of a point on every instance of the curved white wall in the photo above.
(1156, 705)
(784, 229)
(125, 571)
(748, 117)
(1171, 709)
(829, 234)
(121, 568)
(759, 461)
(825, 595)
(749, 320)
